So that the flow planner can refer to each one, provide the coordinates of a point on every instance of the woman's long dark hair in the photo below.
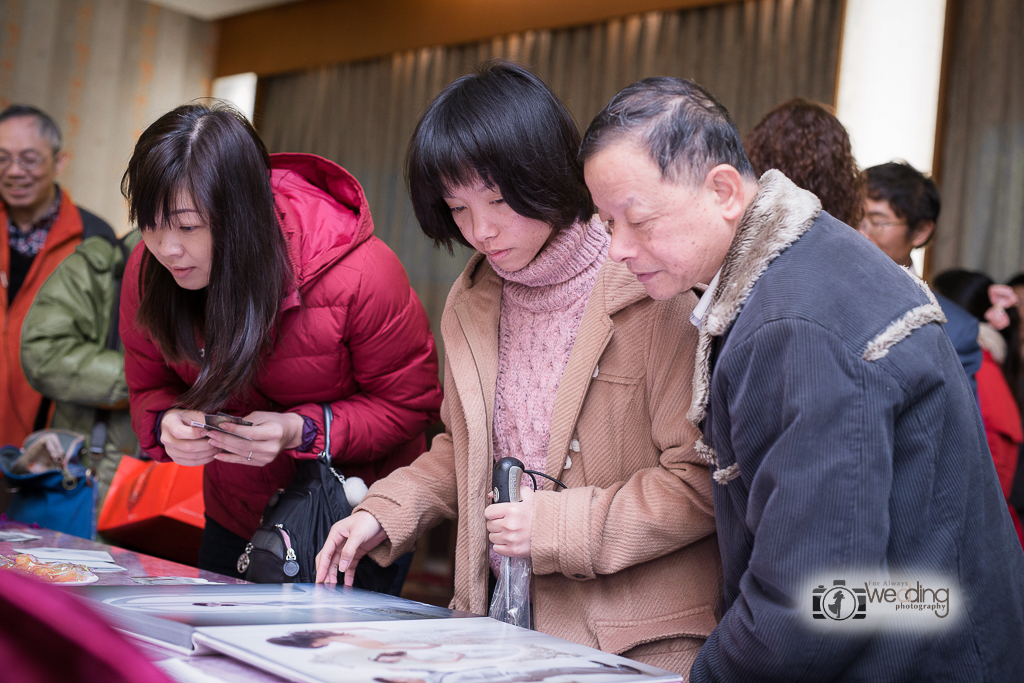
(212, 155)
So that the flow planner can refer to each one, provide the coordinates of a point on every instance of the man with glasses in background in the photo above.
(43, 227)
(900, 211)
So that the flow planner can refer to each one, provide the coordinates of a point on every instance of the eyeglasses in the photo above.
(28, 161)
(878, 223)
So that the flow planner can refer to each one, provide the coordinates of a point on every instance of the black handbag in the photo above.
(296, 522)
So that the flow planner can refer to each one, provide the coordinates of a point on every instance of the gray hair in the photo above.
(686, 131)
(47, 126)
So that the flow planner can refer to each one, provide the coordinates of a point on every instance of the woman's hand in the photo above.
(1001, 297)
(184, 443)
(271, 433)
(510, 525)
(349, 540)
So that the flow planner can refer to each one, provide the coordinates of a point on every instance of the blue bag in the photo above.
(50, 485)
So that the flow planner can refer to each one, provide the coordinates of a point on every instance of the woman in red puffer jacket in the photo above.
(260, 291)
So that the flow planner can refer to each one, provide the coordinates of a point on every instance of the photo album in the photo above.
(168, 616)
(319, 634)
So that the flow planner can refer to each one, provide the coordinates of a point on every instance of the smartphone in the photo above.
(213, 422)
(220, 418)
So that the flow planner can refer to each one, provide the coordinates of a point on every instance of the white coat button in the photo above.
(568, 463)
(596, 368)
(574, 445)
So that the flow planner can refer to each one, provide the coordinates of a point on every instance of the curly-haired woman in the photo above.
(806, 142)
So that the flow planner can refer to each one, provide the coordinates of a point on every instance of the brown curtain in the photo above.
(104, 70)
(752, 55)
(981, 226)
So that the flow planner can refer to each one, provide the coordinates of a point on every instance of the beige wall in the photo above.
(104, 70)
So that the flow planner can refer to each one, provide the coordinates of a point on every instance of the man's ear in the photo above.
(922, 234)
(59, 162)
(727, 186)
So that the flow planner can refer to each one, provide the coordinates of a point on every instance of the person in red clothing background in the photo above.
(259, 290)
(995, 306)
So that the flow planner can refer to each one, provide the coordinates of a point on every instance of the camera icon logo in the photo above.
(839, 603)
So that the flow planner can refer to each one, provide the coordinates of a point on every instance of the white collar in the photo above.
(701, 309)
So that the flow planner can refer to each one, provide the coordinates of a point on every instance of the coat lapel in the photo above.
(471, 351)
(477, 310)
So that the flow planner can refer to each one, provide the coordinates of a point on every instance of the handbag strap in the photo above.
(325, 456)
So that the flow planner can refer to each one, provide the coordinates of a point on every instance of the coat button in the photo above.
(578, 576)
(568, 463)
(574, 445)
(596, 367)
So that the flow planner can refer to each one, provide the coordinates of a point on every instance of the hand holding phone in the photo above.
(214, 422)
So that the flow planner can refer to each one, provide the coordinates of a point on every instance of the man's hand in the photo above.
(184, 443)
(349, 540)
(271, 433)
(510, 525)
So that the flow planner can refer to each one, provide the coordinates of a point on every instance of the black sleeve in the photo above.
(93, 226)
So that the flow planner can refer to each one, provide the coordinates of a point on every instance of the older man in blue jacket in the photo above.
(852, 476)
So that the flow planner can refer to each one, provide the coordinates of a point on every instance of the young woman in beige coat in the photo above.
(557, 356)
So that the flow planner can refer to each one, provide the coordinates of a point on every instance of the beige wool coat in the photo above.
(626, 559)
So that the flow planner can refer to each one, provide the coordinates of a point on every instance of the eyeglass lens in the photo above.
(28, 162)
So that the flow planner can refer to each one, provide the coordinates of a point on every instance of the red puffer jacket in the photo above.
(353, 333)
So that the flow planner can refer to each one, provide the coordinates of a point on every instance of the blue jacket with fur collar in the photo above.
(847, 448)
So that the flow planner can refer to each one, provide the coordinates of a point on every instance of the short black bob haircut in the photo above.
(503, 125)
(684, 129)
(911, 194)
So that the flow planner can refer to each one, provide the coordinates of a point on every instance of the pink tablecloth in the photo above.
(137, 564)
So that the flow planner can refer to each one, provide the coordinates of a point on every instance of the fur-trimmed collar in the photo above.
(779, 215)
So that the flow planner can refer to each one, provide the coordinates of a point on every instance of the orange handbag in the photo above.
(156, 508)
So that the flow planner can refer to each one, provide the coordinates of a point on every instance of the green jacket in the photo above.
(64, 353)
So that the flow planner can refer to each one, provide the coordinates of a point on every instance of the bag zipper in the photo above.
(291, 560)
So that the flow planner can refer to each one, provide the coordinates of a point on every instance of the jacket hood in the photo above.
(322, 209)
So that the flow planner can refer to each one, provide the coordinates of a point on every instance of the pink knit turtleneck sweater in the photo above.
(541, 308)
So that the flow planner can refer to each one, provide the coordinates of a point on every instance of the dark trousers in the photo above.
(219, 551)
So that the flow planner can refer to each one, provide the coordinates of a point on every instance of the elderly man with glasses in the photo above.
(43, 226)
